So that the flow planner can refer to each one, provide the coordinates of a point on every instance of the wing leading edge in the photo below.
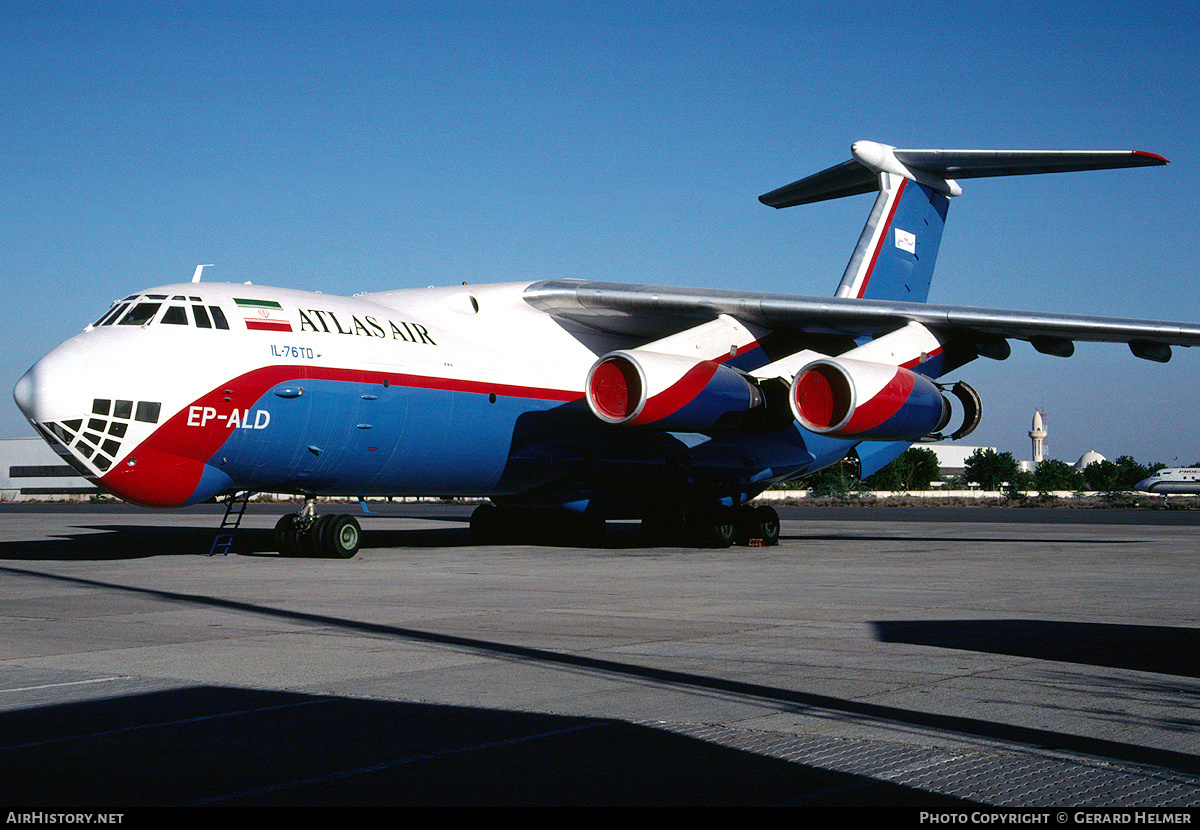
(613, 306)
(887, 280)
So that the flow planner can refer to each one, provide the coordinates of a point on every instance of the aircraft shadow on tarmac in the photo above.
(218, 746)
(835, 707)
(1149, 648)
(115, 541)
(102, 542)
(111, 541)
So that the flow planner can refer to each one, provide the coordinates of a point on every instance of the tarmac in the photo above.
(934, 659)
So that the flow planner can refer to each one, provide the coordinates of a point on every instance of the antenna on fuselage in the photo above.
(200, 270)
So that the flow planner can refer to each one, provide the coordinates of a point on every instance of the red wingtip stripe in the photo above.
(1155, 156)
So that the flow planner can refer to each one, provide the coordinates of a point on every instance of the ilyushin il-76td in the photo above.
(565, 403)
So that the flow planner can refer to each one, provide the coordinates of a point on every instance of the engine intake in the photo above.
(671, 392)
(867, 401)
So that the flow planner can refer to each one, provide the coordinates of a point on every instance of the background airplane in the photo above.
(1171, 481)
(565, 402)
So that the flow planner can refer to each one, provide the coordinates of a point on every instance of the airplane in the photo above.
(1171, 481)
(566, 403)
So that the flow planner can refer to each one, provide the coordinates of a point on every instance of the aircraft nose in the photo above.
(33, 393)
(25, 394)
(48, 391)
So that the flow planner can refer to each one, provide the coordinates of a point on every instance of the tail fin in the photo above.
(896, 253)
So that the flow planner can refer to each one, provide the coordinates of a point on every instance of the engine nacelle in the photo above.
(670, 392)
(867, 401)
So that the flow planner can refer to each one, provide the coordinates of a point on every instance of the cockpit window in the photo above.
(141, 314)
(129, 313)
(112, 314)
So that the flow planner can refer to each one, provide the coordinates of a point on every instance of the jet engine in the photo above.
(867, 401)
(670, 392)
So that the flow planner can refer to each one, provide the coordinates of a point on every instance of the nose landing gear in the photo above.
(329, 536)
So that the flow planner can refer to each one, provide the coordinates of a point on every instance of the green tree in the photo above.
(1101, 475)
(1056, 475)
(836, 480)
(990, 469)
(1115, 476)
(915, 469)
(1129, 472)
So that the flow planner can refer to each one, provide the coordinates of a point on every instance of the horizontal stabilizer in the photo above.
(846, 179)
(939, 168)
(973, 164)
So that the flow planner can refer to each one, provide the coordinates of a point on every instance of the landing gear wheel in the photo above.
(714, 529)
(341, 537)
(334, 537)
(287, 535)
(490, 525)
(310, 542)
(768, 524)
(756, 526)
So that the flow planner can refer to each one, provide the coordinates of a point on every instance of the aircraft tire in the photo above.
(338, 537)
(768, 524)
(310, 540)
(756, 525)
(714, 529)
(490, 525)
(287, 535)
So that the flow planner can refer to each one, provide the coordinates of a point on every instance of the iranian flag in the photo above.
(263, 315)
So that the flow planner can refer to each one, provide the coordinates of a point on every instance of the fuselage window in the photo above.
(218, 317)
(141, 314)
(176, 315)
(202, 321)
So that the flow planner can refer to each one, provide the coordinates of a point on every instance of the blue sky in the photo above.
(368, 146)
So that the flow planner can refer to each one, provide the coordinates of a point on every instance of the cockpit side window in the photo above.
(112, 314)
(141, 314)
(218, 317)
(202, 321)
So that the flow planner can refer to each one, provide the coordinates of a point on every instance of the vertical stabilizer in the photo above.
(896, 253)
(898, 248)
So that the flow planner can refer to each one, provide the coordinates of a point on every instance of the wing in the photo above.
(653, 311)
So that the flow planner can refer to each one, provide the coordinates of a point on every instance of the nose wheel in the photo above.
(329, 537)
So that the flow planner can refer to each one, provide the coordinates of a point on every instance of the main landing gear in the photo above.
(714, 528)
(492, 525)
(304, 534)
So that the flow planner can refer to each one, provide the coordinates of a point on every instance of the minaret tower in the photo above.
(1038, 434)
